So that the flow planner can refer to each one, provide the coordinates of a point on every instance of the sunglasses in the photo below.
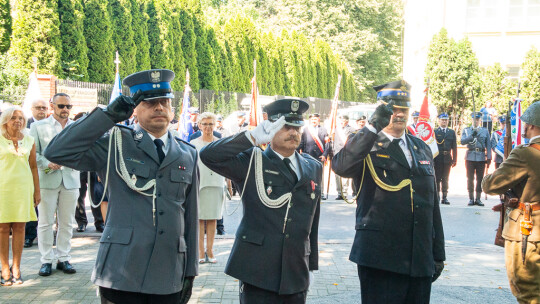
(207, 124)
(61, 106)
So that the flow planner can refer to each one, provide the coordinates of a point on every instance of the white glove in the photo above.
(311, 279)
(264, 132)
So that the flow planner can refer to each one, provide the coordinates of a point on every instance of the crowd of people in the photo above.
(130, 158)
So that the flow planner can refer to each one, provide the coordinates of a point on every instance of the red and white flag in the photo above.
(254, 113)
(424, 127)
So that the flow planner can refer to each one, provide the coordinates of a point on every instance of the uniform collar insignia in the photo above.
(138, 135)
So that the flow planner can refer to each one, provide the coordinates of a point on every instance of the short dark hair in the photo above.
(58, 95)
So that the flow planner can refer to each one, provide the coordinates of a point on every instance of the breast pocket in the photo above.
(424, 169)
(138, 172)
(113, 252)
(181, 180)
(274, 185)
(386, 170)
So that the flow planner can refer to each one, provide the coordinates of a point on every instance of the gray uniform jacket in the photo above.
(478, 147)
(134, 255)
(263, 255)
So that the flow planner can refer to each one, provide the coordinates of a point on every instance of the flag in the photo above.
(32, 93)
(333, 111)
(184, 124)
(254, 108)
(499, 148)
(424, 127)
(117, 88)
(516, 123)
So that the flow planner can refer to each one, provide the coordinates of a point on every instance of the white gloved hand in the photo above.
(311, 279)
(264, 132)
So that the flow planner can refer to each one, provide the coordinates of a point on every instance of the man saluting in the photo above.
(276, 242)
(148, 251)
(399, 241)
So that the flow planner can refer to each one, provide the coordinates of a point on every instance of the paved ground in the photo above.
(474, 271)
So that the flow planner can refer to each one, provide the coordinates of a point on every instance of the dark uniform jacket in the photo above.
(134, 255)
(521, 173)
(393, 233)
(478, 147)
(308, 144)
(446, 141)
(263, 255)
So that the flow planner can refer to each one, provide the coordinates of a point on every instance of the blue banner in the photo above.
(117, 88)
(184, 126)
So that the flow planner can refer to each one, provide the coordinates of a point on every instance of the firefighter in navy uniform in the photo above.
(477, 157)
(276, 242)
(447, 158)
(399, 241)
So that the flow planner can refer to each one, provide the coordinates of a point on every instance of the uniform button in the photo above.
(291, 204)
(161, 232)
(270, 182)
(289, 220)
(365, 225)
(159, 194)
(161, 212)
(243, 237)
(183, 177)
(108, 237)
(132, 170)
(416, 222)
(416, 206)
(287, 236)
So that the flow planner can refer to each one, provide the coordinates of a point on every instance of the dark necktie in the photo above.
(159, 146)
(289, 166)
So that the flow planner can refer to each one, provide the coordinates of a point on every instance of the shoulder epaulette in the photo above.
(178, 139)
(305, 155)
(124, 126)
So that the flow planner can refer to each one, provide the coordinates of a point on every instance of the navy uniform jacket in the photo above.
(308, 144)
(479, 147)
(392, 234)
(134, 255)
(446, 141)
(263, 255)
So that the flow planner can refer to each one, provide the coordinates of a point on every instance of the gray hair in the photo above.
(207, 115)
(6, 117)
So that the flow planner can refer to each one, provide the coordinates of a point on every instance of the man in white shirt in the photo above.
(59, 190)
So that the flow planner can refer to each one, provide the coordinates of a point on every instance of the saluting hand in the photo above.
(121, 108)
(264, 132)
(380, 119)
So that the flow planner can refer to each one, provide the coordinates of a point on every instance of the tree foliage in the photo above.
(140, 34)
(531, 77)
(74, 51)
(453, 73)
(36, 33)
(5, 26)
(123, 35)
(13, 80)
(497, 87)
(98, 33)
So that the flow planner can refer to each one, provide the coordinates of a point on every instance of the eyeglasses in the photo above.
(40, 108)
(61, 106)
(207, 124)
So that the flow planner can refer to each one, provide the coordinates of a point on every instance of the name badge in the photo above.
(383, 155)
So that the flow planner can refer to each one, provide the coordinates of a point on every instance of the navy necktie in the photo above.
(159, 146)
(289, 166)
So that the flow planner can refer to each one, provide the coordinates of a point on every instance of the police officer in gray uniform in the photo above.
(276, 242)
(477, 157)
(148, 250)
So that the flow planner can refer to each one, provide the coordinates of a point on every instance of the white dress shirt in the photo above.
(402, 145)
(294, 163)
(165, 139)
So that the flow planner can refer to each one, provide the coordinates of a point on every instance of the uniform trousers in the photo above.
(63, 202)
(385, 287)
(475, 168)
(80, 212)
(250, 294)
(524, 279)
(113, 296)
(442, 172)
(30, 229)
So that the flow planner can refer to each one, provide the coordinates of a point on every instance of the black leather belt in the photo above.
(477, 149)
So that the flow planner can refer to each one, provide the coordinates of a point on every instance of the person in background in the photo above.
(221, 129)
(477, 157)
(342, 133)
(19, 190)
(415, 115)
(59, 189)
(361, 122)
(193, 127)
(488, 114)
(495, 138)
(241, 120)
(211, 195)
(447, 158)
(314, 141)
(40, 110)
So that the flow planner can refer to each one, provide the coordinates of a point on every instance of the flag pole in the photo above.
(117, 62)
(333, 123)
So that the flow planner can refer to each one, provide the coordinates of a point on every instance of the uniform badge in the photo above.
(383, 155)
(155, 76)
(415, 148)
(181, 167)
(295, 105)
(271, 172)
(424, 162)
(138, 136)
(313, 184)
(269, 190)
(380, 144)
(312, 195)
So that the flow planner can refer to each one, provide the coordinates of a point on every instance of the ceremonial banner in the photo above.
(516, 124)
(183, 123)
(499, 148)
(333, 112)
(117, 88)
(424, 127)
(254, 113)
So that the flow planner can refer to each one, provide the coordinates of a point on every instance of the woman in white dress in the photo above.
(211, 196)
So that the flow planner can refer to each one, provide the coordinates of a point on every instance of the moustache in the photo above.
(399, 120)
(292, 139)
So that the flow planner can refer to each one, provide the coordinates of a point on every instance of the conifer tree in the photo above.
(5, 26)
(217, 53)
(123, 35)
(178, 61)
(205, 60)
(98, 34)
(36, 33)
(156, 35)
(227, 68)
(74, 51)
(140, 34)
(188, 46)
